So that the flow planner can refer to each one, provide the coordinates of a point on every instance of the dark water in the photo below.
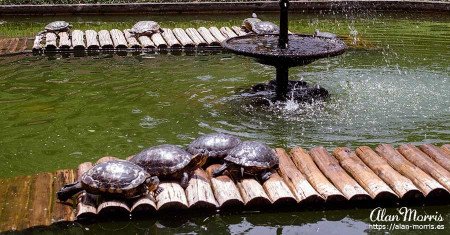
(58, 111)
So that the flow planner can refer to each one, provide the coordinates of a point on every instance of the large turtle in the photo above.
(260, 27)
(116, 178)
(250, 157)
(57, 26)
(215, 145)
(145, 28)
(169, 161)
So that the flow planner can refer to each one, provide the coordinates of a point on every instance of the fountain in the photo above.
(283, 51)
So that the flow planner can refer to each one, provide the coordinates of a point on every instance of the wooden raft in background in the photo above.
(387, 174)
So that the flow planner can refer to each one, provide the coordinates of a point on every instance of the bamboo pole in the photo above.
(429, 187)
(425, 163)
(401, 185)
(376, 188)
(306, 165)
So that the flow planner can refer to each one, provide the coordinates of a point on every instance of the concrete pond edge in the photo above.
(225, 7)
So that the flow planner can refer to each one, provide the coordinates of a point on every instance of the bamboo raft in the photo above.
(313, 179)
(117, 40)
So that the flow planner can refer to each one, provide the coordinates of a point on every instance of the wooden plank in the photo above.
(376, 187)
(158, 40)
(437, 155)
(91, 40)
(196, 37)
(217, 34)
(421, 160)
(199, 193)
(62, 212)
(429, 187)
(184, 39)
(86, 202)
(16, 204)
(132, 42)
(118, 39)
(104, 39)
(171, 198)
(78, 40)
(278, 192)
(401, 185)
(144, 205)
(227, 32)
(225, 191)
(170, 38)
(333, 171)
(12, 47)
(64, 41)
(146, 42)
(24, 45)
(4, 44)
(305, 165)
(4, 185)
(37, 44)
(107, 206)
(446, 148)
(299, 185)
(239, 31)
(50, 41)
(208, 37)
(40, 200)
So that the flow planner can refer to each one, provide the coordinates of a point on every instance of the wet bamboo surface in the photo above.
(407, 175)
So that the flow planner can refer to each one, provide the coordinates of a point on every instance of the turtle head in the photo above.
(254, 15)
(70, 26)
(152, 183)
(197, 161)
(316, 32)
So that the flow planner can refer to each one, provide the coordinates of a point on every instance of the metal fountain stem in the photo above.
(283, 40)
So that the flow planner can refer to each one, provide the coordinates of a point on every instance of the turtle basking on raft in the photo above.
(215, 145)
(57, 26)
(251, 158)
(260, 27)
(170, 162)
(145, 28)
(116, 178)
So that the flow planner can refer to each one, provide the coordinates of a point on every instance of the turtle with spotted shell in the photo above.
(169, 162)
(251, 158)
(116, 178)
(214, 145)
(57, 26)
(145, 28)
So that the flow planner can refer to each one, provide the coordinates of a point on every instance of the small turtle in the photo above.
(250, 157)
(265, 27)
(145, 28)
(57, 26)
(249, 22)
(116, 178)
(317, 33)
(169, 161)
(215, 145)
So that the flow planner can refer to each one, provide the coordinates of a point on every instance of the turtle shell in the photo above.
(213, 145)
(249, 23)
(116, 177)
(163, 159)
(57, 25)
(265, 27)
(253, 154)
(145, 27)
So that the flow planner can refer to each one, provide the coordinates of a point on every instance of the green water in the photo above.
(58, 111)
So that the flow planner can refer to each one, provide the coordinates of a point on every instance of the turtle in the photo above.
(250, 157)
(145, 28)
(169, 161)
(249, 22)
(317, 33)
(214, 145)
(57, 26)
(116, 178)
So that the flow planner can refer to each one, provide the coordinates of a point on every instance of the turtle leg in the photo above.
(265, 175)
(218, 171)
(69, 190)
(185, 180)
(158, 190)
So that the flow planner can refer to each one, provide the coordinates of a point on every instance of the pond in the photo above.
(58, 111)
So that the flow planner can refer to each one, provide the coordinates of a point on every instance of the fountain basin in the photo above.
(302, 49)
